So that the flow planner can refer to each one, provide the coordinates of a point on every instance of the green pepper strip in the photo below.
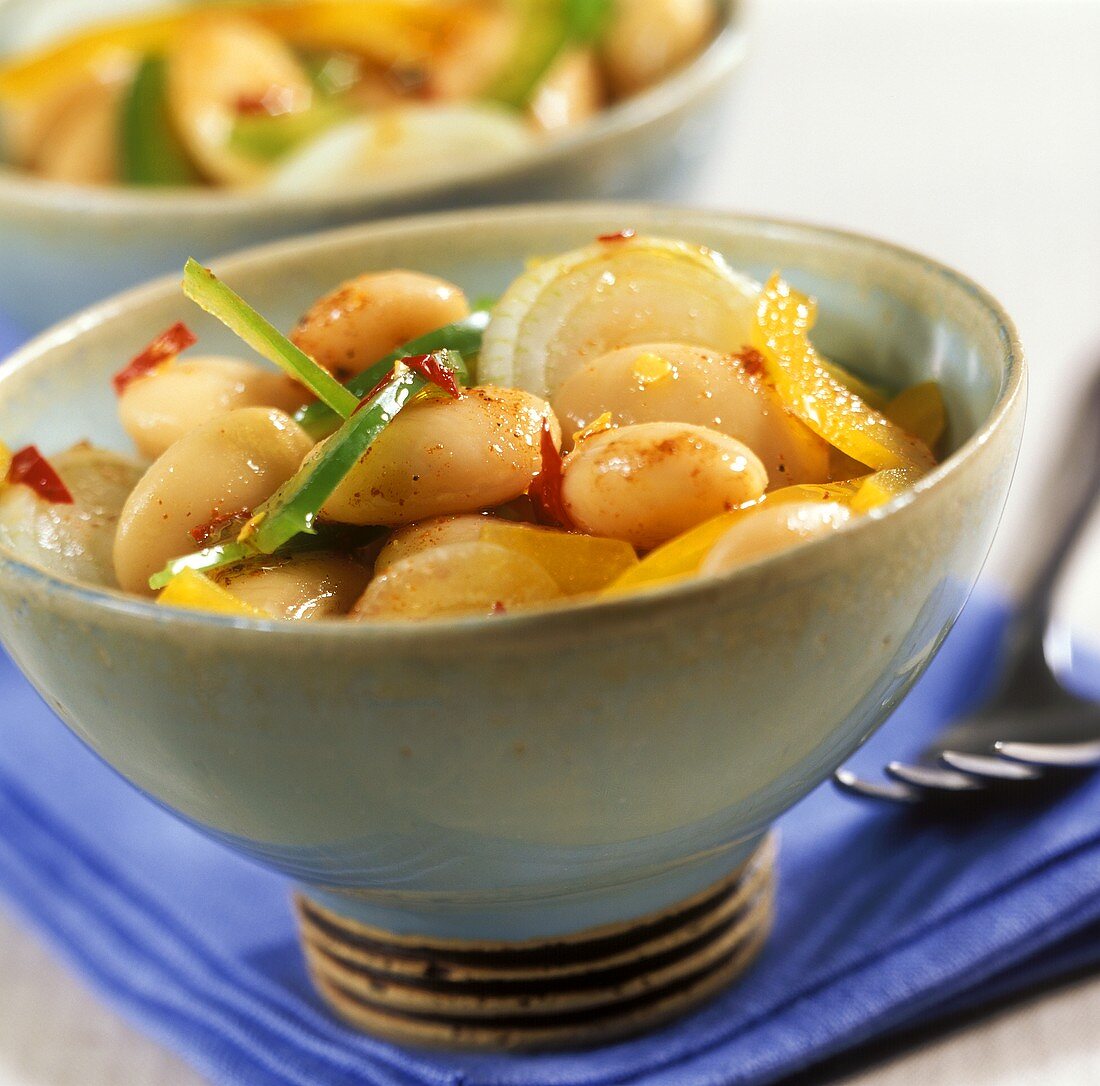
(463, 337)
(206, 290)
(269, 138)
(150, 151)
(224, 554)
(548, 28)
(293, 508)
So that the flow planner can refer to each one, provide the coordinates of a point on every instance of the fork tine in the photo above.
(943, 780)
(893, 791)
(989, 766)
(1052, 755)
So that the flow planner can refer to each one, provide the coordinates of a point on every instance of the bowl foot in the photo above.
(582, 989)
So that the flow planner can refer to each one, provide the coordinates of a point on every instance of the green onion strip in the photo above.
(204, 288)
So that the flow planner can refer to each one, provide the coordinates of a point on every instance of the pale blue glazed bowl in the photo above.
(66, 246)
(532, 774)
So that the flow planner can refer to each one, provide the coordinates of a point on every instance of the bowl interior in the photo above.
(890, 315)
(489, 778)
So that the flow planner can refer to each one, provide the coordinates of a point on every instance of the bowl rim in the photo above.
(722, 55)
(439, 630)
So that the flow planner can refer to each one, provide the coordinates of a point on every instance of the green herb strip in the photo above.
(150, 152)
(293, 508)
(209, 558)
(463, 338)
(268, 138)
(206, 290)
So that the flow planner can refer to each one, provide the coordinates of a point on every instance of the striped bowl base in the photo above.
(582, 989)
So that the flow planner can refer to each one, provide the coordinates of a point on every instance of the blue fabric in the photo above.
(885, 920)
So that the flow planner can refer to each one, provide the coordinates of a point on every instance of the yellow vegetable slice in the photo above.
(195, 592)
(5, 463)
(388, 32)
(676, 559)
(867, 393)
(920, 411)
(843, 491)
(681, 557)
(621, 291)
(831, 409)
(70, 58)
(579, 563)
(882, 487)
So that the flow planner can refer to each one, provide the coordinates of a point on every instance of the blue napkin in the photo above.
(886, 920)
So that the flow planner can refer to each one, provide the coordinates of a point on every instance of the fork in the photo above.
(1032, 728)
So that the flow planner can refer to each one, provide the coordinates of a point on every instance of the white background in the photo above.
(969, 129)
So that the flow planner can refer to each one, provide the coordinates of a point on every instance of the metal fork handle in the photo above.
(1073, 496)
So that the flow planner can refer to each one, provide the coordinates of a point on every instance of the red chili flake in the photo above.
(545, 488)
(272, 102)
(499, 608)
(167, 345)
(30, 467)
(751, 361)
(620, 235)
(205, 534)
(432, 368)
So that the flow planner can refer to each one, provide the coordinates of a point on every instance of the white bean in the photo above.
(299, 587)
(774, 528)
(226, 466)
(425, 534)
(73, 541)
(443, 456)
(677, 382)
(649, 482)
(370, 316)
(570, 92)
(648, 39)
(159, 409)
(219, 62)
(457, 579)
(474, 47)
(81, 144)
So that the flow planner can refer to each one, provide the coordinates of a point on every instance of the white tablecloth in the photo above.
(969, 129)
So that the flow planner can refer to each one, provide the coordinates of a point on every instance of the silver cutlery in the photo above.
(1032, 729)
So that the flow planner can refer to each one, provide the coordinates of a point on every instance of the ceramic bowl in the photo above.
(67, 246)
(539, 829)
(534, 774)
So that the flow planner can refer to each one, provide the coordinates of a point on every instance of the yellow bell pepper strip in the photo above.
(195, 592)
(677, 559)
(387, 32)
(681, 557)
(882, 487)
(831, 409)
(843, 491)
(204, 288)
(150, 151)
(868, 393)
(66, 60)
(462, 339)
(390, 33)
(920, 411)
(579, 563)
